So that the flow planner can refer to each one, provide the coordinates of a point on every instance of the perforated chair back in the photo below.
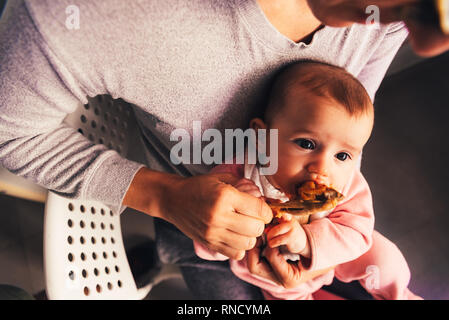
(105, 121)
(102, 120)
(84, 255)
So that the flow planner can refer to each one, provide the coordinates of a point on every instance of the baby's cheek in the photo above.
(284, 178)
(344, 178)
(337, 186)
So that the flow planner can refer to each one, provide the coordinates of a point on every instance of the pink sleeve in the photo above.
(205, 253)
(201, 250)
(346, 233)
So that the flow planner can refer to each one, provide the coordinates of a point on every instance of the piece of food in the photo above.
(311, 198)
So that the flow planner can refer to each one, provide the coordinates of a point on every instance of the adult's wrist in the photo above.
(108, 180)
(148, 190)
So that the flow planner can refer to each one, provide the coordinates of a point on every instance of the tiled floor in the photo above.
(405, 163)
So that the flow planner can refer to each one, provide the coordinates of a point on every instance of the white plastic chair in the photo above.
(84, 255)
(19, 187)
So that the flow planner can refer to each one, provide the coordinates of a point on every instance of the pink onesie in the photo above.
(345, 239)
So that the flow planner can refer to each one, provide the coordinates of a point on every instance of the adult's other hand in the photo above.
(426, 37)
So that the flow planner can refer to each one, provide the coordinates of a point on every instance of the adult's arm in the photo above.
(37, 91)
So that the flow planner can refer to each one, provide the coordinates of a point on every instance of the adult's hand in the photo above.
(206, 208)
(426, 39)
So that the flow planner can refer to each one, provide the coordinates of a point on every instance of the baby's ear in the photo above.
(257, 123)
(261, 142)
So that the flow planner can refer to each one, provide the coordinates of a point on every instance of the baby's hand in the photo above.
(248, 186)
(290, 234)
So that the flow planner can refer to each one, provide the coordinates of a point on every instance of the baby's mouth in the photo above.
(313, 191)
(311, 197)
(297, 191)
(307, 189)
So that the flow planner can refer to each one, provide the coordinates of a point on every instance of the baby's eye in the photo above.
(305, 143)
(342, 156)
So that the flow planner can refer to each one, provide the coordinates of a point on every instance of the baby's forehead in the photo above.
(299, 98)
(322, 114)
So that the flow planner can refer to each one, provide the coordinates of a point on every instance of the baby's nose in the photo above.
(322, 178)
(319, 168)
(319, 171)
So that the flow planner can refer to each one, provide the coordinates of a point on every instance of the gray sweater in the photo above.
(177, 61)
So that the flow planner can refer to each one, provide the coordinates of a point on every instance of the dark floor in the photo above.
(21, 248)
(405, 163)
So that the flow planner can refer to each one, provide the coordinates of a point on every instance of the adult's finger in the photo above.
(237, 241)
(250, 189)
(227, 178)
(242, 182)
(244, 203)
(228, 251)
(251, 206)
(244, 225)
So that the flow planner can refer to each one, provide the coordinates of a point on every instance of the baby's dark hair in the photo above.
(320, 79)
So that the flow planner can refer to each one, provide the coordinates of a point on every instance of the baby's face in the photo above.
(318, 140)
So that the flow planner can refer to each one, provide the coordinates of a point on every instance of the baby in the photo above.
(324, 117)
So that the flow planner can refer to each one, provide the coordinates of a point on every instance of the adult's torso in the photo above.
(183, 61)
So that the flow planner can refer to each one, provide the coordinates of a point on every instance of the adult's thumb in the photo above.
(227, 178)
